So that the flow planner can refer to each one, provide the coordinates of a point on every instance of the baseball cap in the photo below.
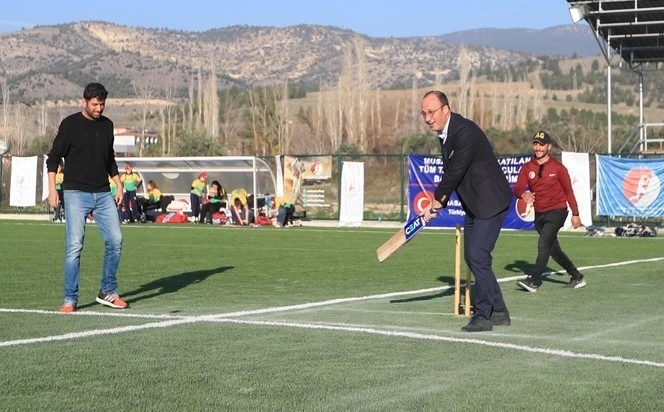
(542, 138)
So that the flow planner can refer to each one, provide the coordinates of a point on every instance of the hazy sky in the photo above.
(385, 18)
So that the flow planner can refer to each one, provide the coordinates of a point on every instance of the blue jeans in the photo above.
(105, 212)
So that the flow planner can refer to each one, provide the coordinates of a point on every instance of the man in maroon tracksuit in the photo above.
(550, 191)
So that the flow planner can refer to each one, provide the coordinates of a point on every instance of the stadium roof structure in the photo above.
(634, 29)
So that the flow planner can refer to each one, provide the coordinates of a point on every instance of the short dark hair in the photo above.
(440, 95)
(93, 90)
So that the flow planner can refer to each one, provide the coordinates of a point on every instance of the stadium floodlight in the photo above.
(578, 12)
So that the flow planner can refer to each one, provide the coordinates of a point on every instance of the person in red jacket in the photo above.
(550, 192)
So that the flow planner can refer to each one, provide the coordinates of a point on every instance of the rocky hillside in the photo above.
(54, 62)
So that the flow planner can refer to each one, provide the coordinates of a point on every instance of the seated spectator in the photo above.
(216, 200)
(284, 212)
(239, 212)
(153, 201)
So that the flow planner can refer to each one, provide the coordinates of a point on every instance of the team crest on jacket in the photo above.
(531, 175)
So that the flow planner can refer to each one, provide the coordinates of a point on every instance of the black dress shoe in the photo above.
(478, 323)
(500, 318)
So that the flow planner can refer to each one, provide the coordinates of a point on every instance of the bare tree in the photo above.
(211, 106)
(6, 109)
(283, 124)
(19, 136)
(199, 100)
(42, 120)
(144, 92)
(333, 119)
(229, 115)
(465, 66)
(361, 89)
(190, 123)
(168, 114)
(346, 107)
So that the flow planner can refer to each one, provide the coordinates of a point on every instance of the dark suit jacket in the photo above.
(471, 168)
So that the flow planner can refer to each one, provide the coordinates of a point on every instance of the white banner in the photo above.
(23, 190)
(351, 210)
(45, 180)
(578, 166)
(280, 177)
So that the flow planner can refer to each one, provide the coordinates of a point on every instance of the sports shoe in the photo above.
(576, 282)
(529, 284)
(500, 318)
(478, 323)
(68, 307)
(112, 301)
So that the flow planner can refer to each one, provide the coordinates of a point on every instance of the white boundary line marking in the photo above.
(412, 335)
(179, 320)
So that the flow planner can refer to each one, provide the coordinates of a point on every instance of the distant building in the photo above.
(128, 140)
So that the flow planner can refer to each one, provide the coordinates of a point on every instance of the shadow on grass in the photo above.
(521, 266)
(166, 285)
(445, 280)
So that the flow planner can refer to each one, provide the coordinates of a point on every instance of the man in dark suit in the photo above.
(472, 170)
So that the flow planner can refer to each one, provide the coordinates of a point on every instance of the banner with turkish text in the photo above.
(424, 174)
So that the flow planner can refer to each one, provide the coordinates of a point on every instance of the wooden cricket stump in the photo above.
(457, 278)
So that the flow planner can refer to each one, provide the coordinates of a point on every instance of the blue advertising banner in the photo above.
(630, 187)
(424, 174)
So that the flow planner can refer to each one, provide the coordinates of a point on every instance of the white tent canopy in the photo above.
(174, 175)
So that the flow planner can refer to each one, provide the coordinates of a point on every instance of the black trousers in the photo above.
(479, 239)
(547, 225)
(207, 210)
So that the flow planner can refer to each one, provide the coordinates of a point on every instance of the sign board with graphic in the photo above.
(308, 181)
(629, 187)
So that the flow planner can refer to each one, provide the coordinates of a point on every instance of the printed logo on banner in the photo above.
(525, 210)
(641, 187)
(422, 202)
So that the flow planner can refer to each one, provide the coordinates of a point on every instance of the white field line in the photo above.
(173, 321)
(352, 329)
(420, 336)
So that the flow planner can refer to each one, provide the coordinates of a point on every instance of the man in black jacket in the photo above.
(85, 141)
(472, 170)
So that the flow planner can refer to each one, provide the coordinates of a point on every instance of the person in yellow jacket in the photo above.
(114, 191)
(198, 189)
(131, 182)
(60, 210)
(152, 201)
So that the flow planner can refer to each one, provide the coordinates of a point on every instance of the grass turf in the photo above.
(198, 337)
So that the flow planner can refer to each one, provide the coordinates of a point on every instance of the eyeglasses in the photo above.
(430, 112)
(541, 168)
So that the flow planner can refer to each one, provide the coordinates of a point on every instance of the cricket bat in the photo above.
(410, 229)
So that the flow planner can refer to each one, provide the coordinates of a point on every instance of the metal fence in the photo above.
(385, 196)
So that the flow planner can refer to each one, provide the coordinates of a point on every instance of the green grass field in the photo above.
(306, 319)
